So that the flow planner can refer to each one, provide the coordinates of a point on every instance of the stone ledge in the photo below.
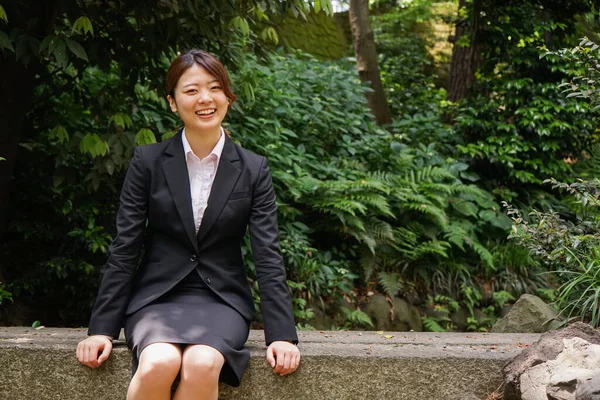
(41, 364)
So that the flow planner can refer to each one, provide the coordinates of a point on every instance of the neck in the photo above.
(203, 142)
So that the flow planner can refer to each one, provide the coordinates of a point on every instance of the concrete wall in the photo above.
(41, 365)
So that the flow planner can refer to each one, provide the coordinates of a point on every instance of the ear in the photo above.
(172, 103)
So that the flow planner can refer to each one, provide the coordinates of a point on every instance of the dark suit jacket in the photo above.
(156, 215)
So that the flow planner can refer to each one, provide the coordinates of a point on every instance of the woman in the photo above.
(188, 202)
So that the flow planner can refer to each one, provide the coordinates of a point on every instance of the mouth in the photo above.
(206, 112)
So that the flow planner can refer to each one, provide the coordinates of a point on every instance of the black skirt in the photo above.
(191, 313)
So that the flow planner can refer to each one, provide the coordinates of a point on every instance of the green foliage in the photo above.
(584, 63)
(392, 283)
(403, 36)
(570, 249)
(579, 295)
(517, 271)
(554, 239)
(3, 15)
(431, 324)
(524, 134)
(437, 319)
(356, 318)
(4, 294)
(517, 127)
(359, 189)
(502, 297)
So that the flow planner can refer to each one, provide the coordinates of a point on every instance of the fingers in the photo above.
(279, 368)
(105, 353)
(270, 357)
(286, 358)
(88, 349)
(92, 356)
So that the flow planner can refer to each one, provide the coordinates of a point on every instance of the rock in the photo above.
(459, 319)
(562, 385)
(405, 316)
(436, 312)
(505, 310)
(588, 389)
(378, 309)
(531, 366)
(529, 315)
(578, 360)
(561, 392)
(320, 320)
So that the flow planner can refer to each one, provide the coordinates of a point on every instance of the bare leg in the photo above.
(158, 367)
(200, 371)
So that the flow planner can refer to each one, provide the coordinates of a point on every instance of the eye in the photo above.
(215, 88)
(191, 91)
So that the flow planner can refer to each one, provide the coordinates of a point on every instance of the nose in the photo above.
(204, 96)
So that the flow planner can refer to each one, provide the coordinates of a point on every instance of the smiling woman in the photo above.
(187, 307)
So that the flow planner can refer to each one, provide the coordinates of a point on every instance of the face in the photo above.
(200, 101)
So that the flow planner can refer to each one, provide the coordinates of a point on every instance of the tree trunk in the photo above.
(366, 59)
(465, 59)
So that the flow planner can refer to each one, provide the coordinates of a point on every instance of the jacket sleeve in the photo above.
(275, 299)
(124, 252)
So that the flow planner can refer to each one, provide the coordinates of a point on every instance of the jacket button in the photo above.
(207, 280)
(193, 258)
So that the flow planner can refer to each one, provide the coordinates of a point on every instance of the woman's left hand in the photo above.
(284, 357)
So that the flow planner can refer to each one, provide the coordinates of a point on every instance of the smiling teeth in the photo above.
(206, 112)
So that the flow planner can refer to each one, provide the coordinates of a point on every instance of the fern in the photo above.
(391, 283)
(370, 263)
(381, 231)
(456, 235)
(483, 253)
(431, 248)
(356, 317)
(432, 325)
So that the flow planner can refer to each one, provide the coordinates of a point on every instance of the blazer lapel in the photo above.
(176, 173)
(227, 175)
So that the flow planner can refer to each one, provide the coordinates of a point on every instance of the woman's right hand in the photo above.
(88, 349)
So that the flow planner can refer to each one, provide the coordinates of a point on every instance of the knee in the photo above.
(202, 362)
(159, 366)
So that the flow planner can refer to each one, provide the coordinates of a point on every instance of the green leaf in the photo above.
(60, 53)
(46, 43)
(3, 14)
(145, 136)
(470, 176)
(241, 24)
(83, 25)
(464, 207)
(122, 120)
(269, 34)
(317, 5)
(93, 145)
(5, 42)
(59, 132)
(77, 49)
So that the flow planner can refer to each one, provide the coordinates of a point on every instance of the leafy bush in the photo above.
(400, 212)
(570, 249)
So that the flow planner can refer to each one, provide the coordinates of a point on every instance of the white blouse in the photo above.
(202, 175)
